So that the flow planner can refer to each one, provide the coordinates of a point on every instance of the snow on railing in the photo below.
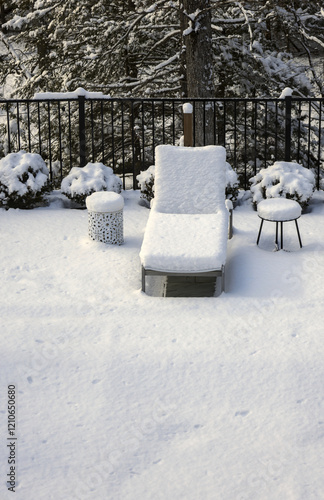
(70, 95)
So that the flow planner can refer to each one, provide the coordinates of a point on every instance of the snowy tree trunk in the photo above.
(197, 37)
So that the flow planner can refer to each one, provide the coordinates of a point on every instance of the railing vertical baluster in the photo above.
(214, 123)
(245, 145)
(224, 125)
(265, 134)
(39, 128)
(288, 100)
(319, 146)
(153, 135)
(255, 135)
(276, 130)
(49, 139)
(299, 131)
(218, 122)
(133, 140)
(204, 121)
(123, 143)
(194, 122)
(112, 115)
(82, 136)
(309, 131)
(143, 136)
(8, 127)
(60, 133)
(235, 132)
(92, 131)
(102, 133)
(70, 135)
(18, 126)
(163, 123)
(173, 122)
(28, 127)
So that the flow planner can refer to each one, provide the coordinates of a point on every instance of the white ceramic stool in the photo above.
(279, 210)
(105, 217)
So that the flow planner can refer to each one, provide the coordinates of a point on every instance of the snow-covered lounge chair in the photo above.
(187, 229)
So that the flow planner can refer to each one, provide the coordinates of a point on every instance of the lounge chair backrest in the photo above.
(189, 180)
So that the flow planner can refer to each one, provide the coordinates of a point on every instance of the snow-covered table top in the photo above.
(104, 201)
(186, 243)
(279, 209)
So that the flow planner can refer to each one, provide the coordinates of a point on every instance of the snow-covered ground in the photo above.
(126, 396)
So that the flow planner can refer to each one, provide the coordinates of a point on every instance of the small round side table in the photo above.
(105, 217)
(279, 210)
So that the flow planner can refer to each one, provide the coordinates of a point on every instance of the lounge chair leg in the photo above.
(220, 283)
(143, 279)
(230, 225)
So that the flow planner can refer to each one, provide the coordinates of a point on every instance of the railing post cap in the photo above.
(187, 108)
(286, 93)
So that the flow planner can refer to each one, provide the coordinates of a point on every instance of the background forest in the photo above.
(201, 48)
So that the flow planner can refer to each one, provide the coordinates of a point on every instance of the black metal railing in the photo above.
(122, 133)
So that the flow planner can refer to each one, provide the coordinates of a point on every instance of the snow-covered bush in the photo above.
(23, 180)
(83, 181)
(283, 179)
(146, 183)
(232, 184)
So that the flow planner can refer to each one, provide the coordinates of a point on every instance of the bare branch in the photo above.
(247, 22)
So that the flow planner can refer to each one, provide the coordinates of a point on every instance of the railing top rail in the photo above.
(165, 99)
(61, 99)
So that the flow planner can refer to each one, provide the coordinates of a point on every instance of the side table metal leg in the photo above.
(300, 243)
(262, 220)
(276, 242)
(281, 231)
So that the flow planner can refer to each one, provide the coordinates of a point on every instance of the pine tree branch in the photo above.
(136, 21)
(160, 42)
(14, 55)
(37, 14)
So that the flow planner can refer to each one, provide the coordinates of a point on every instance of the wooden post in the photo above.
(187, 125)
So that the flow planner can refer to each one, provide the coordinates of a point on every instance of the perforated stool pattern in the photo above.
(106, 227)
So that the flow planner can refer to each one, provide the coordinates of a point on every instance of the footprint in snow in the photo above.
(242, 413)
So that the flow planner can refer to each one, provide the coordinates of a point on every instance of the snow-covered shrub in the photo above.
(146, 183)
(232, 184)
(83, 181)
(23, 180)
(283, 179)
